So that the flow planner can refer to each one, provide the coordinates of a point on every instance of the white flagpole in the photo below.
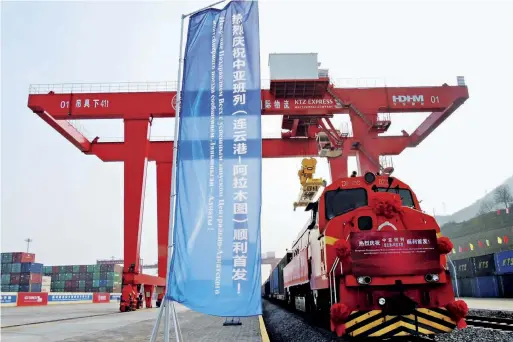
(166, 303)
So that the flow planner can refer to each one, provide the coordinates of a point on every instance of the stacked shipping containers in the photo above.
(486, 276)
(85, 278)
(504, 269)
(20, 273)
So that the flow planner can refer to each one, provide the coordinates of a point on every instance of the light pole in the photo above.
(28, 241)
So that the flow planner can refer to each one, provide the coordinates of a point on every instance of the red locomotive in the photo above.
(370, 263)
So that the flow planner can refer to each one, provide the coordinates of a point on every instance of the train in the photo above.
(369, 263)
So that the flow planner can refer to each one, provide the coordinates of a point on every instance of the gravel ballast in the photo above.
(284, 326)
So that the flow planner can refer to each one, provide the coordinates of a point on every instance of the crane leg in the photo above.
(135, 163)
(338, 167)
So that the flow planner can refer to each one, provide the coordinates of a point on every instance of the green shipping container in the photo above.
(16, 268)
(62, 269)
(97, 268)
(96, 283)
(6, 269)
(110, 283)
(6, 279)
(76, 268)
(7, 257)
(96, 276)
(47, 269)
(58, 284)
(110, 275)
(90, 268)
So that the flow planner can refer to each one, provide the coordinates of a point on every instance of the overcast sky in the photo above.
(71, 204)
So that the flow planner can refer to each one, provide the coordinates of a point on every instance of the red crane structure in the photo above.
(306, 106)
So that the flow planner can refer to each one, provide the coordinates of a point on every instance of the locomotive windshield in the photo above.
(406, 197)
(338, 202)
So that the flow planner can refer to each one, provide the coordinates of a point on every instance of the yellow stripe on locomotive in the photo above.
(375, 323)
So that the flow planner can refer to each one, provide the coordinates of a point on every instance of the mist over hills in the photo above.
(472, 210)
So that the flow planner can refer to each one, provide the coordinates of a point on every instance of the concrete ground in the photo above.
(113, 326)
(500, 304)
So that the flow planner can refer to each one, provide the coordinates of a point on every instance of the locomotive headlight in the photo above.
(381, 301)
(364, 280)
(369, 177)
(432, 278)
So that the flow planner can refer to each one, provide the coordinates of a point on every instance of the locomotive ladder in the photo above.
(332, 281)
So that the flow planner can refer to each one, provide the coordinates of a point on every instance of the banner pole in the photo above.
(166, 301)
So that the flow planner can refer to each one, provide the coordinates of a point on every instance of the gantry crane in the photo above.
(306, 105)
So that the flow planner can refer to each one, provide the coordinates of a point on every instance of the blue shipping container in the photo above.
(504, 262)
(31, 267)
(35, 288)
(486, 287)
(464, 268)
(466, 287)
(484, 265)
(103, 283)
(506, 286)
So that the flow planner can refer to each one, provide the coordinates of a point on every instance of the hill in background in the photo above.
(472, 210)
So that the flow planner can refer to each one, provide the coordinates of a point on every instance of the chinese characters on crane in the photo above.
(86, 103)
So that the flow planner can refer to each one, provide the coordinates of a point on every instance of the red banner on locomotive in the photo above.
(394, 253)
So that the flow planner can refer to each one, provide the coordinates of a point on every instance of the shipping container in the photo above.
(464, 268)
(14, 288)
(46, 280)
(30, 288)
(484, 265)
(16, 267)
(466, 287)
(6, 279)
(6, 268)
(6, 287)
(504, 262)
(31, 267)
(506, 285)
(23, 257)
(486, 287)
(6, 258)
(46, 288)
(15, 279)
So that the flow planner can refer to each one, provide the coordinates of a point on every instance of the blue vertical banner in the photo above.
(216, 265)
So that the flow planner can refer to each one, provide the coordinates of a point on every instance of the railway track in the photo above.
(504, 324)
